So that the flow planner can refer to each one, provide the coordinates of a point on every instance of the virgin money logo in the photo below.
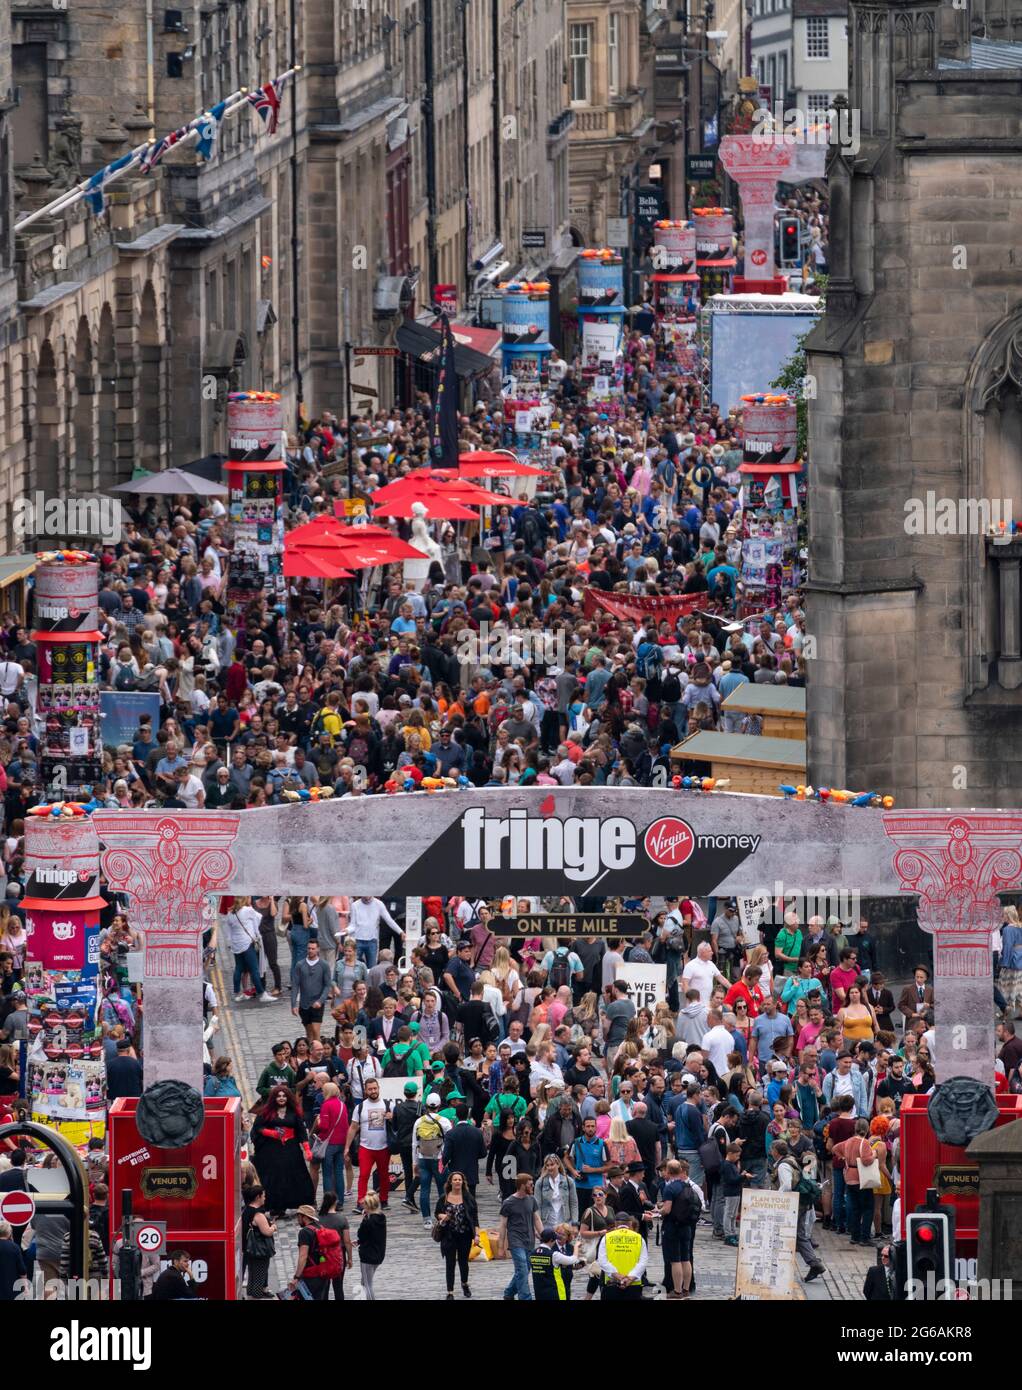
(759, 257)
(669, 842)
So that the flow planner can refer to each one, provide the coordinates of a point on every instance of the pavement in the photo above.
(414, 1267)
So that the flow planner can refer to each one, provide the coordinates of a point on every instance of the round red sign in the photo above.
(758, 257)
(669, 842)
(17, 1208)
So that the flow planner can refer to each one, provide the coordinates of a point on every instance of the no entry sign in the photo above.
(17, 1208)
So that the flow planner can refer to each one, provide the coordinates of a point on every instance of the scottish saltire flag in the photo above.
(155, 152)
(266, 100)
(94, 195)
(208, 126)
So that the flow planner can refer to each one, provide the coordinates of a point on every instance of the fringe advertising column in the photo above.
(255, 478)
(676, 291)
(771, 565)
(525, 349)
(66, 1076)
(67, 636)
(601, 313)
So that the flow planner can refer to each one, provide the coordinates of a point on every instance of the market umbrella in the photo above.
(424, 486)
(172, 482)
(359, 548)
(308, 565)
(495, 466)
(437, 508)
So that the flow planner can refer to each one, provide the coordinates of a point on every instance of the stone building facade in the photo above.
(610, 88)
(916, 685)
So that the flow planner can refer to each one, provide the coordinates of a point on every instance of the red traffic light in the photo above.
(925, 1233)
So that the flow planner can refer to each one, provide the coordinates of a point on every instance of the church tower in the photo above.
(915, 686)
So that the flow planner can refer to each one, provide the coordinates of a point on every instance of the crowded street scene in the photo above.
(445, 855)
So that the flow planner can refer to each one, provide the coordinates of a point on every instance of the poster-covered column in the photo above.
(66, 634)
(601, 313)
(66, 1077)
(255, 479)
(771, 567)
(525, 355)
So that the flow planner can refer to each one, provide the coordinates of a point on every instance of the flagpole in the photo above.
(67, 199)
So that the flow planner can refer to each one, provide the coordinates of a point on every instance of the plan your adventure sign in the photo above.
(491, 853)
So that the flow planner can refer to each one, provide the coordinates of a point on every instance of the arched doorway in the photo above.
(83, 418)
(44, 428)
(150, 416)
(109, 473)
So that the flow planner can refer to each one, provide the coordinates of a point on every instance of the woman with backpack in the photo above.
(372, 1242)
(455, 1229)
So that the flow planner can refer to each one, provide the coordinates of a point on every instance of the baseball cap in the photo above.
(547, 1234)
(432, 1101)
(411, 1089)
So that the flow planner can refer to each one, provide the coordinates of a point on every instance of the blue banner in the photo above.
(121, 711)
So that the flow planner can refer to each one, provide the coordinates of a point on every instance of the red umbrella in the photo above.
(416, 487)
(308, 565)
(438, 508)
(489, 465)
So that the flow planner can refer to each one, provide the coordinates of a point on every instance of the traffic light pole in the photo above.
(347, 411)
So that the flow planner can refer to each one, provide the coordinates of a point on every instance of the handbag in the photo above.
(259, 1246)
(869, 1173)
(319, 1148)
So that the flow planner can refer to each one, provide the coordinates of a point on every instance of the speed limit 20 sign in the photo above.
(151, 1236)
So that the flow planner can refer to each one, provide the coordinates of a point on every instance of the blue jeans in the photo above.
(758, 1168)
(367, 950)
(859, 1206)
(333, 1172)
(429, 1172)
(520, 1279)
(247, 961)
(837, 1205)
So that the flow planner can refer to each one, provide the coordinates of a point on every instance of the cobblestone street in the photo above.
(414, 1267)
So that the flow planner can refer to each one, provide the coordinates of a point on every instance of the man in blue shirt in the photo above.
(596, 684)
(690, 1131)
(766, 1029)
(587, 1161)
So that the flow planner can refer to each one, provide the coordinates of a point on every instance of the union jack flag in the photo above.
(155, 152)
(266, 100)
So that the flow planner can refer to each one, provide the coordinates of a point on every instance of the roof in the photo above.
(803, 9)
(423, 343)
(775, 699)
(14, 567)
(749, 749)
(986, 55)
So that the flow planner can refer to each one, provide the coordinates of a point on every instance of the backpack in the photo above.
(808, 1189)
(430, 1137)
(318, 725)
(396, 1066)
(686, 1208)
(328, 1254)
(649, 660)
(491, 1025)
(560, 970)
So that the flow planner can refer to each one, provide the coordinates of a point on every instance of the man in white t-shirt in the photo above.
(701, 973)
(717, 1042)
(369, 1127)
(11, 676)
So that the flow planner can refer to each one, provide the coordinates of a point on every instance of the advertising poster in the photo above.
(122, 711)
(526, 318)
(72, 1090)
(766, 1249)
(600, 282)
(770, 429)
(600, 344)
(61, 940)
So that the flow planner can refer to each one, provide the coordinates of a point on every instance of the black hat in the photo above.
(636, 1166)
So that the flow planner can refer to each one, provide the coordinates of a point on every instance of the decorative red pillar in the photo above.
(169, 866)
(957, 863)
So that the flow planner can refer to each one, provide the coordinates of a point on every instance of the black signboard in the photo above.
(608, 924)
(649, 205)
(700, 167)
(534, 238)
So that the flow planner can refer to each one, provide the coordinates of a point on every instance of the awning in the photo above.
(483, 340)
(15, 567)
(422, 343)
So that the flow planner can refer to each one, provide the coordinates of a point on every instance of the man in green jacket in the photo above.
(276, 1072)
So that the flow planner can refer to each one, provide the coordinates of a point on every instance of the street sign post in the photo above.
(618, 233)
(17, 1208)
(150, 1236)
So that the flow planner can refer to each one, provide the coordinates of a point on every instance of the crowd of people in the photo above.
(780, 1057)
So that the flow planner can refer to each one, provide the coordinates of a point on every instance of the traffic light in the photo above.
(789, 243)
(930, 1251)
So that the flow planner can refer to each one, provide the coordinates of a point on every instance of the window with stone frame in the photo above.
(580, 47)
